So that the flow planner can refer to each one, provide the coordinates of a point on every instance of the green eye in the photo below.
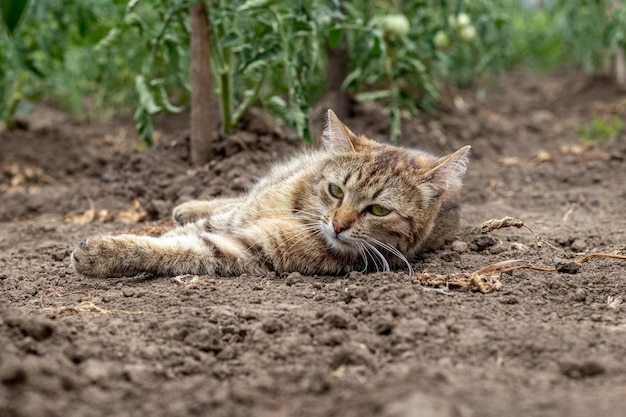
(335, 191)
(378, 210)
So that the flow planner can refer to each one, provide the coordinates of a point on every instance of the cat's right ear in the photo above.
(336, 136)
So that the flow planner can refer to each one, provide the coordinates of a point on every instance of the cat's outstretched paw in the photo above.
(96, 257)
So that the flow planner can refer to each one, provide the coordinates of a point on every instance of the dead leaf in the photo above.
(134, 214)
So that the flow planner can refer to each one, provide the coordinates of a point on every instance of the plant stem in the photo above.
(250, 100)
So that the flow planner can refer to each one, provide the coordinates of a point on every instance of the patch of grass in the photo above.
(600, 129)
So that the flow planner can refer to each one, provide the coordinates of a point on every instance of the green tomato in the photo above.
(395, 23)
(463, 20)
(441, 40)
(467, 33)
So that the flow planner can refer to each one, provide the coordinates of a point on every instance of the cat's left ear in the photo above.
(447, 173)
(336, 136)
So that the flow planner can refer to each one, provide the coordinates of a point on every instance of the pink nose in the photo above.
(339, 226)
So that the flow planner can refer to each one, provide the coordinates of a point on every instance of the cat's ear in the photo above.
(446, 175)
(336, 136)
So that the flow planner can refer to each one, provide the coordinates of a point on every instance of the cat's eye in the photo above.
(335, 190)
(378, 210)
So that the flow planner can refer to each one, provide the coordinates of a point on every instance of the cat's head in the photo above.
(378, 197)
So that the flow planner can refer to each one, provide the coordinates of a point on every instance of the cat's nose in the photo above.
(339, 226)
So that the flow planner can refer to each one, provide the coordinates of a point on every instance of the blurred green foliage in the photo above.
(107, 56)
(600, 129)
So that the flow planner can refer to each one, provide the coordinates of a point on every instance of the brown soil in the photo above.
(545, 344)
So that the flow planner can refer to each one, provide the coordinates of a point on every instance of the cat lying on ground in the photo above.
(355, 204)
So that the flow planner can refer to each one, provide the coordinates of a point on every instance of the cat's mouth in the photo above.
(340, 242)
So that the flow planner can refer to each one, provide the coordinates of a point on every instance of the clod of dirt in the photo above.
(207, 339)
(481, 243)
(421, 404)
(292, 278)
(579, 296)
(585, 369)
(338, 319)
(567, 267)
(356, 291)
(384, 325)
(272, 325)
(38, 328)
(11, 373)
(352, 354)
(410, 330)
(578, 245)
(459, 246)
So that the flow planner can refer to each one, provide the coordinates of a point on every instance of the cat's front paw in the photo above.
(96, 257)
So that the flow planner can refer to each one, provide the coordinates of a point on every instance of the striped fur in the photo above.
(385, 205)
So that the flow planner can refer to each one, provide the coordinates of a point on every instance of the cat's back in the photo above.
(292, 170)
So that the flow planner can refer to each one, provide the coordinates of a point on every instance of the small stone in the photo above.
(459, 246)
(578, 245)
(567, 267)
(579, 296)
(128, 292)
(518, 247)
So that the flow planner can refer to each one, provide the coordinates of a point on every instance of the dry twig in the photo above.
(495, 224)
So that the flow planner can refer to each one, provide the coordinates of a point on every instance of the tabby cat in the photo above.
(355, 204)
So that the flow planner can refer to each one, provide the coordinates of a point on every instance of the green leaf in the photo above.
(262, 57)
(146, 99)
(254, 4)
(108, 40)
(131, 5)
(352, 78)
(144, 125)
(12, 13)
(229, 40)
(335, 35)
(163, 99)
(373, 95)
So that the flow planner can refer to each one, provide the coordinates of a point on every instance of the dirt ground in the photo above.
(544, 344)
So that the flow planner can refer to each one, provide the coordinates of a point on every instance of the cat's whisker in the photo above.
(396, 252)
(382, 258)
(364, 256)
(371, 255)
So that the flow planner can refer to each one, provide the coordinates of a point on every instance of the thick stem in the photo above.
(204, 110)
(336, 73)
(620, 68)
(226, 102)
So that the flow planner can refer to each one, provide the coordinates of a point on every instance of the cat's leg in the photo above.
(197, 209)
(187, 252)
